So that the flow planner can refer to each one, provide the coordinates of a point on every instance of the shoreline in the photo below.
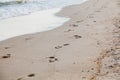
(15, 8)
(31, 20)
(30, 24)
(84, 48)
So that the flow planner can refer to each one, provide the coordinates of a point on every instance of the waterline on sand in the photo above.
(33, 17)
(35, 22)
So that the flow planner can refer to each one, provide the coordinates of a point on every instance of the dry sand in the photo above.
(85, 48)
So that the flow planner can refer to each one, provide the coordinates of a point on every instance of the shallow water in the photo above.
(15, 20)
(10, 8)
(35, 22)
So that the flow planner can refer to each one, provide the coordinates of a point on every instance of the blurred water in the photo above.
(10, 8)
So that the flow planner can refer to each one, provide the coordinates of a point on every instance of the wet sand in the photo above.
(85, 48)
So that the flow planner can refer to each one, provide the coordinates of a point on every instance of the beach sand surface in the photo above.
(84, 48)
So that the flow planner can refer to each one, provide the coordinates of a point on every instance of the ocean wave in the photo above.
(13, 8)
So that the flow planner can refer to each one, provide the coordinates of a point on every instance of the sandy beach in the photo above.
(87, 47)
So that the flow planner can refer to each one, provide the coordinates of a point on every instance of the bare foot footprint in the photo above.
(19, 78)
(74, 25)
(28, 38)
(7, 47)
(31, 75)
(77, 36)
(69, 30)
(58, 47)
(6, 56)
(66, 44)
(52, 59)
(79, 21)
(94, 21)
(90, 16)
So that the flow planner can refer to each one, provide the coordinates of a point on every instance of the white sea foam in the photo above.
(9, 8)
(42, 19)
(35, 22)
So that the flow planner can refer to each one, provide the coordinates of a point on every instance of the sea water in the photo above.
(34, 16)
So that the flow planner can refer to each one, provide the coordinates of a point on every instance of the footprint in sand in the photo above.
(28, 38)
(69, 30)
(90, 16)
(118, 3)
(92, 68)
(52, 59)
(19, 78)
(30, 75)
(98, 11)
(77, 36)
(94, 21)
(79, 21)
(84, 78)
(74, 25)
(58, 47)
(6, 56)
(7, 47)
(66, 44)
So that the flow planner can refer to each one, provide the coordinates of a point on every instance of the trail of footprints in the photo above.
(73, 25)
(61, 46)
(51, 59)
(6, 55)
